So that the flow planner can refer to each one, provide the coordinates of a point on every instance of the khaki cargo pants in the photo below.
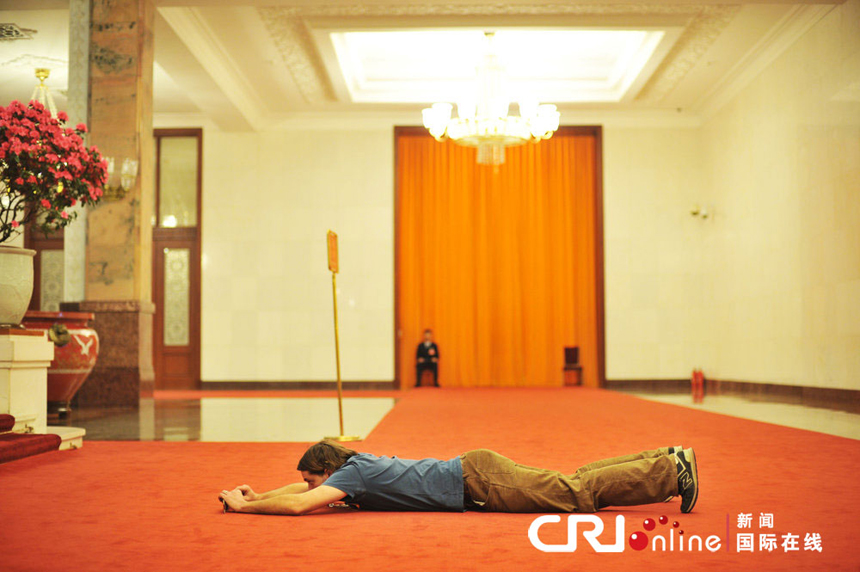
(495, 483)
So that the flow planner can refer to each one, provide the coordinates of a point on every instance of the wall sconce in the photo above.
(700, 212)
(119, 183)
(41, 93)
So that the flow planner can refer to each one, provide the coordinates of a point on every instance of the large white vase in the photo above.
(16, 283)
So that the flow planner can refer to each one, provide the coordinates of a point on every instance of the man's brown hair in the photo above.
(325, 455)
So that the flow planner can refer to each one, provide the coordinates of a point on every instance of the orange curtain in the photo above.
(499, 262)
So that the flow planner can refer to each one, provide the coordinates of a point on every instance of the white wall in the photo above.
(269, 199)
(767, 289)
(654, 289)
(782, 163)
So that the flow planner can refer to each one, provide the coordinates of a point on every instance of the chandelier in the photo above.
(482, 121)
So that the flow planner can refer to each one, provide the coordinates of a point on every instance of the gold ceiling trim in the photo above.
(293, 41)
(291, 35)
(694, 42)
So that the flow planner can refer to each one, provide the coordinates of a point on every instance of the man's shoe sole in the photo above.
(694, 473)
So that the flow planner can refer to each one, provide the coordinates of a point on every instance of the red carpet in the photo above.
(152, 506)
(14, 446)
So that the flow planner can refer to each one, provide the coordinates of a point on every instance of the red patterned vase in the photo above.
(76, 347)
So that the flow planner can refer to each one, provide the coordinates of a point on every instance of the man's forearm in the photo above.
(293, 489)
(287, 504)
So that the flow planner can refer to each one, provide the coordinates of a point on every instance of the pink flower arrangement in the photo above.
(45, 168)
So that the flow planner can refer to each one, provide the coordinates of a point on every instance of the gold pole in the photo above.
(337, 352)
(333, 265)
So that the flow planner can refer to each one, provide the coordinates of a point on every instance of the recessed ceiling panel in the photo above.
(559, 66)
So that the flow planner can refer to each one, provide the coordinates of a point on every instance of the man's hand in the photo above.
(247, 492)
(234, 499)
(421, 360)
(287, 503)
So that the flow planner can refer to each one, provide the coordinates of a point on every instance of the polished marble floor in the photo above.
(828, 421)
(303, 419)
(248, 419)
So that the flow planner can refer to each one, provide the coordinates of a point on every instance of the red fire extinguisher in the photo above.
(697, 386)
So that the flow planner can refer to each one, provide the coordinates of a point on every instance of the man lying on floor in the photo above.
(476, 480)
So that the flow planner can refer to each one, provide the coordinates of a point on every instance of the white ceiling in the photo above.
(422, 66)
(255, 64)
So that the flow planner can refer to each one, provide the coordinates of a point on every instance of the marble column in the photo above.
(75, 236)
(119, 233)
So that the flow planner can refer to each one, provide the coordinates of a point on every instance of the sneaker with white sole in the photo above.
(688, 479)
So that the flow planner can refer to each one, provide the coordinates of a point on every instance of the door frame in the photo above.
(180, 237)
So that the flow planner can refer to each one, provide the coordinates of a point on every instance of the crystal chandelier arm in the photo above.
(436, 119)
(528, 108)
(546, 121)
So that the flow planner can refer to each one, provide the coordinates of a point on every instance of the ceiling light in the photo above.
(482, 119)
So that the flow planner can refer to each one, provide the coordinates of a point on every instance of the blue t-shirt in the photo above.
(383, 483)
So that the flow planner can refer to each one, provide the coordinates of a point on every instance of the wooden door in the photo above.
(176, 259)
